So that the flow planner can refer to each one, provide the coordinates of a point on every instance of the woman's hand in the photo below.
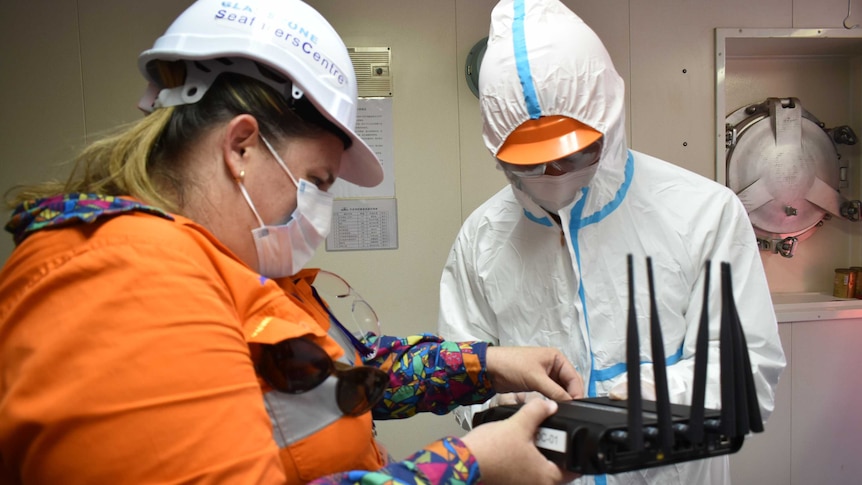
(540, 369)
(506, 450)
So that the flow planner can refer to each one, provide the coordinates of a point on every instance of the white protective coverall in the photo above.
(515, 276)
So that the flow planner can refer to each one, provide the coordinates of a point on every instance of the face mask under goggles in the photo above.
(298, 365)
(570, 163)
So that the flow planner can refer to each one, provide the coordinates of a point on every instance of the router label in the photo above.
(551, 439)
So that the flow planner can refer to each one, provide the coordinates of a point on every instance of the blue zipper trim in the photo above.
(577, 223)
(617, 369)
(522, 61)
(545, 221)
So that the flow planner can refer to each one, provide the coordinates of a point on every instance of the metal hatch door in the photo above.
(785, 168)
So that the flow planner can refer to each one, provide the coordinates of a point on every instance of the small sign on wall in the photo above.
(374, 126)
(363, 224)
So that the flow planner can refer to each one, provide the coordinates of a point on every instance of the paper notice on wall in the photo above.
(361, 224)
(374, 126)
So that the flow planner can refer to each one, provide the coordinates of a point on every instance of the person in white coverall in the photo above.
(544, 261)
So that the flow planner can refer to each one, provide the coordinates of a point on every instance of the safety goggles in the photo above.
(299, 365)
(570, 163)
(342, 302)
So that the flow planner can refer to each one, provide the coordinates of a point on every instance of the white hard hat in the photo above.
(287, 36)
(547, 86)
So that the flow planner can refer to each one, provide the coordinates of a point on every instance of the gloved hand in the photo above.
(514, 398)
(542, 369)
(506, 450)
(620, 390)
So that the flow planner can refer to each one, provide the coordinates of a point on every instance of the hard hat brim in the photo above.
(359, 164)
(546, 139)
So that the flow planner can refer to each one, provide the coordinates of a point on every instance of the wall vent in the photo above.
(373, 70)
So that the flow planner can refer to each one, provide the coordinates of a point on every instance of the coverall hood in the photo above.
(543, 60)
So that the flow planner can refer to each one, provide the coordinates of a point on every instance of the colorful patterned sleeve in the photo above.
(447, 461)
(429, 374)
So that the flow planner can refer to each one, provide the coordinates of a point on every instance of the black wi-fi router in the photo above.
(598, 435)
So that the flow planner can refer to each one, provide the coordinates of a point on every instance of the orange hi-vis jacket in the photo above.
(125, 343)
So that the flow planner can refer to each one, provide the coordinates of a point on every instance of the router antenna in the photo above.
(728, 385)
(665, 430)
(635, 401)
(698, 398)
(747, 409)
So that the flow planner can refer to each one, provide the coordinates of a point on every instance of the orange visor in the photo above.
(546, 139)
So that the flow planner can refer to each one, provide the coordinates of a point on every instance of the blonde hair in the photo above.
(143, 159)
(113, 165)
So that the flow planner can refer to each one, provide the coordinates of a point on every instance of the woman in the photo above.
(155, 326)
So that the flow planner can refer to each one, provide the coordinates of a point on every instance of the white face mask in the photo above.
(284, 249)
(553, 192)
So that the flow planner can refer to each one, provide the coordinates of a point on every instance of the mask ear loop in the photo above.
(279, 160)
(247, 197)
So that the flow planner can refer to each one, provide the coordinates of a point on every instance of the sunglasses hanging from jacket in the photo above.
(299, 365)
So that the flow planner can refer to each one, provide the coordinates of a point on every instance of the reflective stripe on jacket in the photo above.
(313, 436)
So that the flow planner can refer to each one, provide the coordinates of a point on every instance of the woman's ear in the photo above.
(241, 138)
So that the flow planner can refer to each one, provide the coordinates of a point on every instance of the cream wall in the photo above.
(68, 71)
